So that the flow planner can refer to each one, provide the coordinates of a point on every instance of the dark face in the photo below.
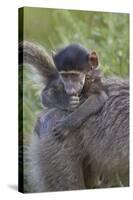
(73, 82)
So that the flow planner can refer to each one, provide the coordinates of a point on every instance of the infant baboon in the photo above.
(75, 83)
(80, 76)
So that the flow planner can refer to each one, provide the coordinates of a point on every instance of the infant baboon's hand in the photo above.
(73, 102)
(60, 131)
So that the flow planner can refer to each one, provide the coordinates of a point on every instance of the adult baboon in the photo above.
(99, 146)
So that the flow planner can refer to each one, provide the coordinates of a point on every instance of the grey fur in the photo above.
(36, 56)
(99, 146)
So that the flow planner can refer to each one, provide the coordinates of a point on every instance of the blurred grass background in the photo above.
(107, 33)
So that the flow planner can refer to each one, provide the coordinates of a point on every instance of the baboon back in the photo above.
(99, 146)
(106, 134)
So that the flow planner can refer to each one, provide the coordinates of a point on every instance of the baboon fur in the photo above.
(100, 146)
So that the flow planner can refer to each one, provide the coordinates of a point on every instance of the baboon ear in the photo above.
(93, 61)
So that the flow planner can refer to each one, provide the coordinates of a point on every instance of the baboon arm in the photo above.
(91, 106)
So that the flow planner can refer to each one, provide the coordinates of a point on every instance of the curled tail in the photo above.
(36, 56)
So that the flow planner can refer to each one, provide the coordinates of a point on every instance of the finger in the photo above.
(74, 102)
(74, 98)
(73, 105)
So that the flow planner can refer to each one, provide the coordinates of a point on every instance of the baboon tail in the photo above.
(36, 56)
